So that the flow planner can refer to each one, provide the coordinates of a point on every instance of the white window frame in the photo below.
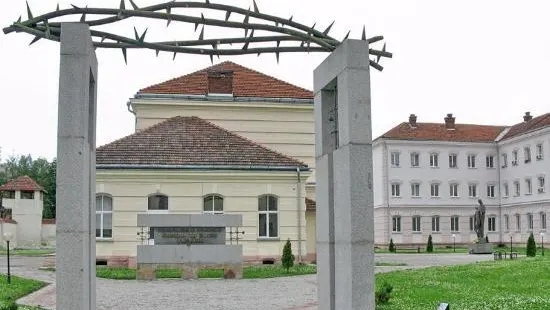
(506, 192)
(211, 209)
(540, 151)
(395, 190)
(518, 222)
(491, 189)
(396, 223)
(541, 184)
(527, 154)
(434, 160)
(453, 190)
(517, 189)
(435, 223)
(471, 223)
(490, 161)
(542, 221)
(268, 215)
(491, 223)
(455, 223)
(471, 161)
(453, 161)
(416, 223)
(434, 190)
(530, 220)
(415, 190)
(472, 190)
(394, 159)
(103, 213)
(415, 159)
(528, 186)
(506, 222)
(504, 160)
(515, 158)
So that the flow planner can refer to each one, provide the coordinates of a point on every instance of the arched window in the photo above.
(268, 217)
(213, 203)
(157, 202)
(103, 216)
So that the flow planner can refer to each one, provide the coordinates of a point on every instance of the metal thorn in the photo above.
(207, 1)
(103, 38)
(124, 54)
(347, 35)
(29, 13)
(174, 58)
(196, 26)
(211, 58)
(201, 36)
(135, 33)
(364, 35)
(134, 5)
(290, 19)
(75, 7)
(122, 5)
(255, 7)
(227, 14)
(157, 52)
(83, 18)
(34, 40)
(19, 19)
(313, 27)
(202, 17)
(278, 43)
(379, 56)
(328, 28)
(57, 7)
(259, 54)
(142, 38)
(375, 65)
(277, 55)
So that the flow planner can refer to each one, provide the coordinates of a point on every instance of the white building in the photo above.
(429, 177)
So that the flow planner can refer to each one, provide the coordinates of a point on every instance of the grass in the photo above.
(27, 252)
(18, 288)
(423, 250)
(516, 284)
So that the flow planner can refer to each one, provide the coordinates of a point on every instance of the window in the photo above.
(434, 160)
(516, 188)
(415, 160)
(434, 189)
(491, 223)
(213, 204)
(540, 151)
(396, 220)
(514, 158)
(472, 190)
(157, 202)
(504, 160)
(416, 224)
(454, 223)
(530, 221)
(103, 216)
(471, 223)
(452, 161)
(435, 223)
(506, 189)
(527, 154)
(491, 190)
(267, 213)
(8, 194)
(395, 159)
(541, 184)
(528, 187)
(415, 190)
(27, 194)
(490, 161)
(471, 161)
(395, 190)
(506, 222)
(453, 189)
(518, 222)
(542, 220)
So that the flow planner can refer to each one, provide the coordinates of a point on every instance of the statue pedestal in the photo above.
(480, 248)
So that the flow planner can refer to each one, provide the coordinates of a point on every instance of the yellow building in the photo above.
(224, 139)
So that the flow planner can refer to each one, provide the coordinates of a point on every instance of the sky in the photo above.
(485, 61)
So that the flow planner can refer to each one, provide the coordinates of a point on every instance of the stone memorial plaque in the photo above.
(188, 235)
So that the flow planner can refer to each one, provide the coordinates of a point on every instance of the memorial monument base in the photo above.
(480, 248)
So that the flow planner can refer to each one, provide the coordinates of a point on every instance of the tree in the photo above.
(392, 246)
(288, 257)
(40, 170)
(430, 246)
(531, 246)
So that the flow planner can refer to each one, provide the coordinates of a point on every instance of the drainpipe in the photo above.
(499, 195)
(386, 189)
(299, 212)
(129, 106)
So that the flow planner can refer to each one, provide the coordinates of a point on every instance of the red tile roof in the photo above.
(246, 83)
(190, 141)
(23, 183)
(438, 132)
(538, 122)
(311, 205)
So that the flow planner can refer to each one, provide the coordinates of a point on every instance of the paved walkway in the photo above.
(288, 293)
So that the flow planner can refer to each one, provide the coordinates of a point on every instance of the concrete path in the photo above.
(288, 293)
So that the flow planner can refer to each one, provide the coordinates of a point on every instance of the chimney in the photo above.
(527, 117)
(450, 122)
(220, 82)
(412, 121)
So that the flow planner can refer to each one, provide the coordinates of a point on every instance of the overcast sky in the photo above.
(484, 61)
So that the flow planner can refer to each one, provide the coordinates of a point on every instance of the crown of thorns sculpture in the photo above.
(307, 39)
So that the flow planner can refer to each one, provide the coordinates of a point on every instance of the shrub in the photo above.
(383, 294)
(531, 246)
(288, 257)
(8, 305)
(487, 239)
(392, 246)
(430, 246)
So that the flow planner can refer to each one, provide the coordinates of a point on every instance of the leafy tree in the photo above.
(288, 257)
(430, 246)
(392, 246)
(531, 246)
(40, 170)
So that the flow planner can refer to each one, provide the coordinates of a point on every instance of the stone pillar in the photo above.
(343, 149)
(75, 229)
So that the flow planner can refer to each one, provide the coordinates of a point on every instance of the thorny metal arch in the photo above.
(309, 39)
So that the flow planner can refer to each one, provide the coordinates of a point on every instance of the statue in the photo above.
(479, 221)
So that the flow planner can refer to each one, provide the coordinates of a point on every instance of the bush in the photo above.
(531, 246)
(383, 294)
(8, 305)
(288, 257)
(430, 246)
(487, 239)
(392, 246)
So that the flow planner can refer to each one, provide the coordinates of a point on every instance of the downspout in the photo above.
(299, 212)
(129, 106)
(499, 195)
(386, 190)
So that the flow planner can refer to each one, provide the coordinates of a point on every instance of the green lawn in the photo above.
(423, 250)
(498, 285)
(27, 252)
(18, 288)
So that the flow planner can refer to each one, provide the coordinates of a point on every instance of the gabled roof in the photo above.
(23, 183)
(438, 132)
(246, 83)
(190, 142)
(538, 122)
